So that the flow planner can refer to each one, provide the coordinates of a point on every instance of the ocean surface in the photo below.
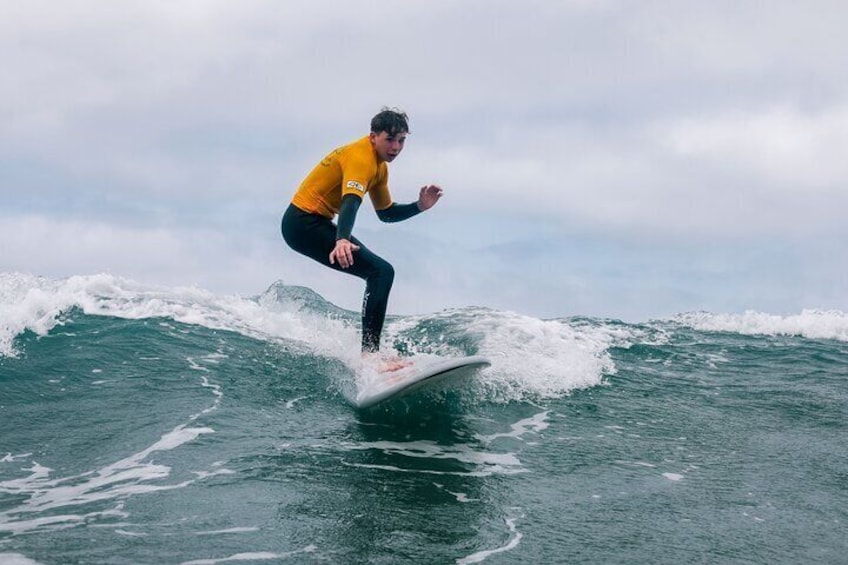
(146, 425)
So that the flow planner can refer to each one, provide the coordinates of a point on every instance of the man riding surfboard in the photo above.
(336, 186)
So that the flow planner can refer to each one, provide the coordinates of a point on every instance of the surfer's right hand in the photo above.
(343, 253)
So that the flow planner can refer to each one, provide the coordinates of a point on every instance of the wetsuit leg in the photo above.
(314, 235)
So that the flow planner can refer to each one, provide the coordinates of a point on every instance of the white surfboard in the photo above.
(414, 378)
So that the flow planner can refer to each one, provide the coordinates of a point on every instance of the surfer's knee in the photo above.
(381, 271)
(387, 272)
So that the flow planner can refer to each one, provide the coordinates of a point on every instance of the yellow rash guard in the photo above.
(350, 169)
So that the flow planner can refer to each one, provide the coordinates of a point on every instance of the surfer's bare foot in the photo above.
(388, 364)
(393, 364)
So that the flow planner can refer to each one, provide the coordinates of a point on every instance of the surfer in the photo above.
(336, 186)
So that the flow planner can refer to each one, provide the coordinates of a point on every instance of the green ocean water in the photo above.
(153, 426)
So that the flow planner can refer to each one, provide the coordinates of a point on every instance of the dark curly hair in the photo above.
(391, 121)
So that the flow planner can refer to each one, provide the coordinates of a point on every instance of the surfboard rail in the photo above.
(406, 381)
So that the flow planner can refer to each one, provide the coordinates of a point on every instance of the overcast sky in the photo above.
(624, 159)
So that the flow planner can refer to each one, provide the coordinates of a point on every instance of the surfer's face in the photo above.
(388, 146)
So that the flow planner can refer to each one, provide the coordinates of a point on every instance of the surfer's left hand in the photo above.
(428, 196)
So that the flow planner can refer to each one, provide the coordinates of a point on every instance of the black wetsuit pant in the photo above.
(314, 235)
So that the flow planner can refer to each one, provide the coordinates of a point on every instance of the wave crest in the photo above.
(812, 324)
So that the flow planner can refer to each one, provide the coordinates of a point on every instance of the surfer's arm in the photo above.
(347, 216)
(343, 251)
(427, 198)
(398, 212)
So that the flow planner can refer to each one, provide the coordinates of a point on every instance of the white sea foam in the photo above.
(129, 476)
(510, 545)
(813, 324)
(484, 463)
(16, 559)
(460, 496)
(534, 424)
(130, 534)
(530, 357)
(9, 458)
(252, 556)
(235, 530)
(545, 358)
(38, 304)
